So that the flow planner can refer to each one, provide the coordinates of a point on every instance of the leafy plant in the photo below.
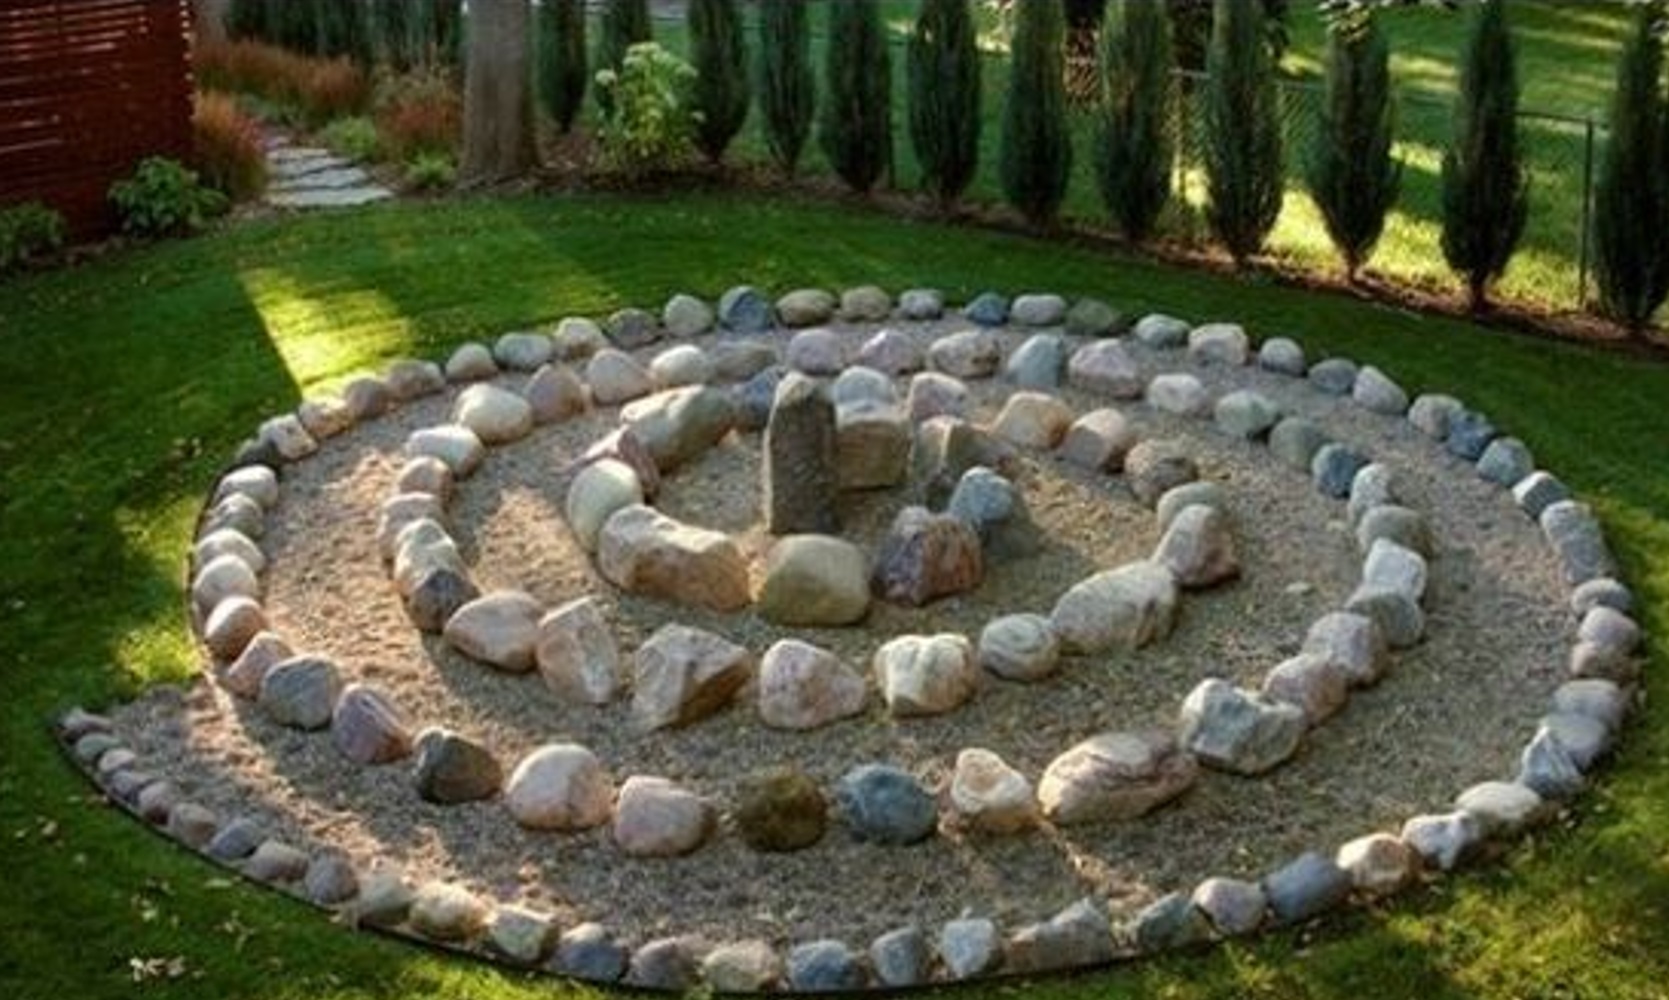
(27, 232)
(1036, 160)
(354, 137)
(1243, 156)
(944, 73)
(651, 127)
(428, 172)
(163, 198)
(787, 87)
(1351, 172)
(721, 64)
(228, 148)
(856, 126)
(1136, 147)
(562, 74)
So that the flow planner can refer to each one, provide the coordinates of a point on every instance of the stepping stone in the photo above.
(351, 197)
(326, 179)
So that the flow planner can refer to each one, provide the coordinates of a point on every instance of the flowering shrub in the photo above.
(652, 122)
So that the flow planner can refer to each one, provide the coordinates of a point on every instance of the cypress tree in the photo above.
(1036, 160)
(1485, 189)
(1351, 172)
(296, 26)
(787, 87)
(1631, 199)
(249, 20)
(855, 130)
(1243, 131)
(561, 59)
(343, 31)
(1137, 145)
(721, 63)
(391, 28)
(944, 74)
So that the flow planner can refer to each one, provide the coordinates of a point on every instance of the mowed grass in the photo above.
(128, 381)
(1566, 56)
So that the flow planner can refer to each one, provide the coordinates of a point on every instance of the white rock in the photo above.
(1033, 420)
(458, 447)
(1106, 367)
(967, 354)
(599, 491)
(288, 437)
(1378, 864)
(229, 542)
(1375, 391)
(804, 687)
(1125, 608)
(223, 577)
(1443, 841)
(1115, 777)
(682, 675)
(926, 675)
(656, 818)
(1179, 393)
(1352, 643)
(683, 365)
(471, 363)
(497, 416)
(577, 655)
(1099, 441)
(1020, 647)
(1503, 808)
(615, 378)
(559, 787)
(988, 795)
(1219, 344)
(1390, 566)
(257, 482)
(500, 630)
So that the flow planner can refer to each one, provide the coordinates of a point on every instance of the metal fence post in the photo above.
(1587, 215)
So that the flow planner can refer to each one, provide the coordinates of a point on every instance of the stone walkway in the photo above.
(310, 178)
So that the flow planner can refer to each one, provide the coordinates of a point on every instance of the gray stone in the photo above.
(804, 687)
(623, 446)
(385, 900)
(577, 655)
(1592, 660)
(1296, 441)
(1038, 310)
(816, 352)
(901, 957)
(500, 630)
(1306, 887)
(1038, 363)
(1506, 462)
(1283, 357)
(968, 354)
(1584, 737)
(1180, 498)
(301, 692)
(1334, 468)
(1392, 567)
(257, 482)
(458, 447)
(156, 800)
(288, 437)
(223, 577)
(1334, 376)
(577, 338)
(435, 596)
(1234, 906)
(872, 446)
(497, 416)
(1161, 332)
(1099, 441)
(1397, 614)
(934, 394)
(743, 967)
(1033, 420)
(779, 810)
(806, 307)
(865, 304)
(644, 552)
(127, 785)
(655, 818)
(925, 675)
(815, 580)
(824, 967)
(682, 675)
(989, 796)
(921, 304)
(324, 417)
(1156, 466)
(743, 310)
(79, 722)
(985, 502)
(891, 352)
(1198, 548)
(1239, 731)
(1121, 609)
(521, 935)
(885, 805)
(680, 425)
(367, 728)
(680, 366)
(1376, 392)
(1373, 486)
(926, 556)
(1310, 683)
(409, 379)
(1352, 643)
(1603, 701)
(1219, 344)
(1078, 936)
(1443, 841)
(1503, 808)
(426, 475)
(615, 377)
(1601, 592)
(1469, 435)
(1247, 413)
(236, 513)
(860, 386)
(471, 363)
(631, 329)
(1575, 535)
(740, 360)
(1378, 864)
(1106, 367)
(523, 352)
(451, 768)
(330, 880)
(970, 947)
(236, 840)
(1095, 318)
(1179, 393)
(276, 861)
(191, 824)
(800, 471)
(231, 626)
(987, 309)
(1394, 523)
(1172, 921)
(444, 912)
(1020, 647)
(1538, 491)
(401, 511)
(1115, 777)
(1432, 413)
(561, 786)
(590, 952)
(1548, 769)
(686, 316)
(228, 542)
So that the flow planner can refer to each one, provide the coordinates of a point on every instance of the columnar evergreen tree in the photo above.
(1137, 146)
(944, 74)
(1631, 200)
(437, 30)
(1485, 188)
(787, 86)
(561, 57)
(343, 30)
(250, 20)
(855, 129)
(1036, 160)
(624, 24)
(1243, 131)
(1351, 172)
(295, 25)
(720, 57)
(391, 30)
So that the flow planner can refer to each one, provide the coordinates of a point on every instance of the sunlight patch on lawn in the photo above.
(321, 333)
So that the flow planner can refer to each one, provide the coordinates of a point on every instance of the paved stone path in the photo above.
(310, 178)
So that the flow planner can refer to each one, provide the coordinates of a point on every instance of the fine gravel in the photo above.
(1451, 712)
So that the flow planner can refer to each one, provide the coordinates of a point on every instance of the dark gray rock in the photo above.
(1095, 318)
(451, 768)
(590, 952)
(988, 309)
(236, 840)
(330, 880)
(436, 597)
(901, 957)
(1506, 462)
(301, 692)
(824, 967)
(1306, 887)
(744, 310)
(1539, 491)
(1470, 433)
(885, 805)
(1334, 468)
(664, 964)
(800, 471)
(755, 396)
(1172, 921)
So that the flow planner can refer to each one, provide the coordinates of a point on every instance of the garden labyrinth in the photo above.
(845, 642)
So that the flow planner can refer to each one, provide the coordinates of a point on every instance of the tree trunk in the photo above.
(498, 97)
(210, 19)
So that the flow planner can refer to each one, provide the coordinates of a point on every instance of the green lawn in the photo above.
(128, 380)
(1566, 68)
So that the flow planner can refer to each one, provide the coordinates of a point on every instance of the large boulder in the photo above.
(925, 556)
(800, 474)
(1123, 609)
(643, 551)
(679, 425)
(500, 630)
(815, 580)
(559, 787)
(1115, 777)
(1238, 731)
(682, 675)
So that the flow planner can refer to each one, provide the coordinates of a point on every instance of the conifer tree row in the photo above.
(944, 77)
(1036, 159)
(720, 57)
(787, 86)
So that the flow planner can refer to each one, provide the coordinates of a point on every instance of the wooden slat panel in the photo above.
(88, 88)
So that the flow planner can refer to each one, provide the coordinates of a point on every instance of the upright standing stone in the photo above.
(800, 467)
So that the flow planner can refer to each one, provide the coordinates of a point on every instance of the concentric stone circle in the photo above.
(1219, 725)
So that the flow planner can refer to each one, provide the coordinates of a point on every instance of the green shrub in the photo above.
(1631, 201)
(1136, 145)
(856, 127)
(163, 198)
(1351, 172)
(1485, 189)
(27, 232)
(1243, 165)
(562, 73)
(787, 87)
(1036, 158)
(354, 137)
(651, 127)
(428, 172)
(721, 67)
(944, 74)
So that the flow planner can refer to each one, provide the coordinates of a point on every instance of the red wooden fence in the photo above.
(88, 88)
